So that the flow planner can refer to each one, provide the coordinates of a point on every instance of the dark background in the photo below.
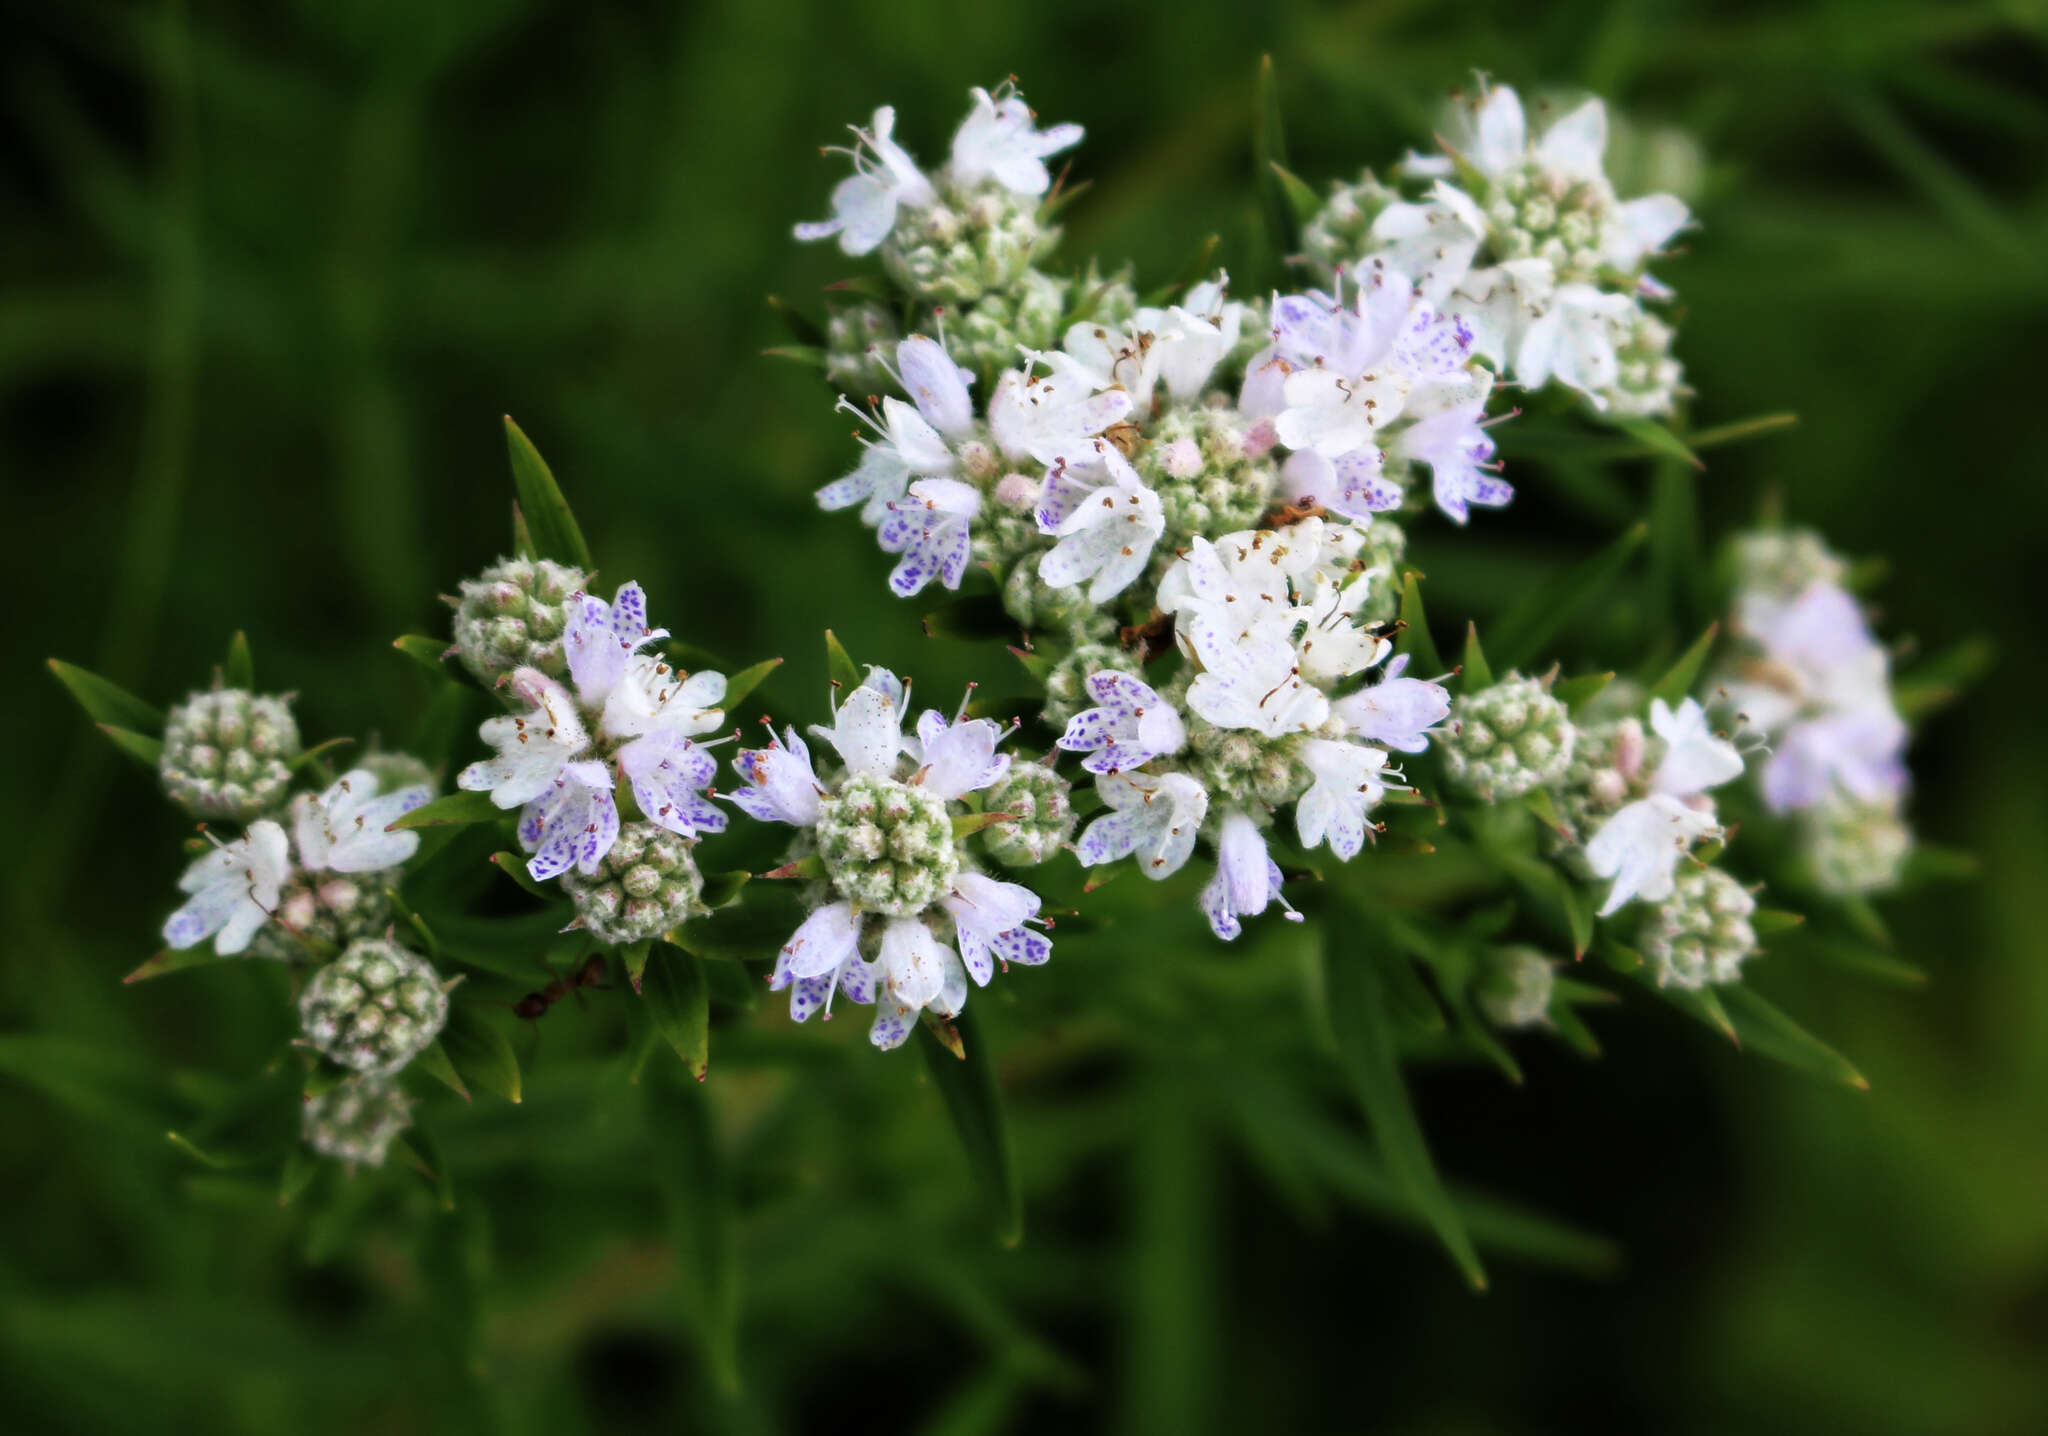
(269, 273)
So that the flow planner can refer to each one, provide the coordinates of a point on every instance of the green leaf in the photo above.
(807, 868)
(315, 756)
(435, 1063)
(219, 1161)
(1573, 1029)
(300, 1168)
(974, 1101)
(414, 921)
(240, 667)
(1575, 692)
(1767, 920)
(723, 889)
(698, 1187)
(480, 1052)
(425, 651)
(1680, 677)
(1703, 1004)
(1358, 1004)
(1474, 672)
(1658, 439)
(1036, 664)
(105, 702)
(141, 747)
(1302, 199)
(1269, 161)
(554, 530)
(744, 682)
(968, 823)
(1414, 639)
(839, 663)
(1941, 679)
(453, 809)
(1761, 1027)
(1740, 430)
(1550, 608)
(808, 355)
(802, 328)
(1572, 904)
(513, 866)
(173, 961)
(635, 956)
(973, 616)
(679, 1000)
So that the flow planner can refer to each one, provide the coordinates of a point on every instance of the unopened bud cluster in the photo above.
(1701, 935)
(356, 1120)
(1509, 739)
(511, 616)
(645, 886)
(1515, 987)
(887, 845)
(1855, 847)
(374, 1008)
(1041, 808)
(227, 754)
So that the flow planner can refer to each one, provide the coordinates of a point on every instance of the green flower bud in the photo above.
(511, 616)
(1066, 687)
(1207, 484)
(856, 337)
(1700, 935)
(888, 846)
(1515, 986)
(966, 244)
(646, 885)
(374, 1008)
(1041, 806)
(1027, 313)
(1244, 767)
(331, 908)
(227, 754)
(1508, 739)
(1066, 611)
(1337, 233)
(1648, 380)
(1855, 847)
(356, 1120)
(1784, 563)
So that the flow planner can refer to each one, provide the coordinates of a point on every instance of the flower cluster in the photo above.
(1810, 676)
(1523, 234)
(902, 917)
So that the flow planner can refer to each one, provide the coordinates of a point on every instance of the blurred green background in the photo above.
(269, 273)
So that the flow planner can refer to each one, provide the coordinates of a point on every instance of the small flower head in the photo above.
(511, 616)
(374, 1008)
(1515, 987)
(227, 754)
(1855, 847)
(888, 846)
(356, 1120)
(1041, 808)
(234, 890)
(646, 885)
(1700, 935)
(1507, 740)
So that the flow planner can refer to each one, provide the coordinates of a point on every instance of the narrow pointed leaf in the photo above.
(141, 747)
(172, 961)
(1575, 692)
(1269, 161)
(1682, 675)
(1475, 673)
(1704, 1004)
(971, 616)
(452, 809)
(300, 1168)
(436, 1064)
(1035, 664)
(808, 355)
(106, 702)
(1550, 608)
(839, 663)
(679, 1000)
(974, 1101)
(723, 889)
(480, 1052)
(635, 956)
(425, 651)
(1739, 431)
(1658, 440)
(1414, 639)
(1940, 680)
(1767, 920)
(1358, 1012)
(240, 667)
(1302, 200)
(513, 866)
(1761, 1027)
(548, 519)
(800, 325)
(968, 823)
(315, 757)
(744, 682)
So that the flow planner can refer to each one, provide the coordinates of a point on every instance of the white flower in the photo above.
(1459, 452)
(1247, 879)
(932, 528)
(533, 748)
(342, 830)
(1352, 367)
(914, 439)
(1398, 711)
(1572, 339)
(1256, 685)
(1350, 779)
(960, 757)
(823, 956)
(1350, 484)
(864, 204)
(1639, 847)
(1432, 241)
(990, 925)
(782, 787)
(1051, 417)
(998, 141)
(867, 727)
(1152, 817)
(234, 891)
(1129, 726)
(1106, 529)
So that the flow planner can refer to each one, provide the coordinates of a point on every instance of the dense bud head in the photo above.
(1784, 563)
(1701, 934)
(227, 754)
(1533, 213)
(646, 885)
(1855, 847)
(374, 1008)
(331, 908)
(888, 846)
(1066, 687)
(1515, 986)
(1600, 775)
(511, 616)
(967, 244)
(1244, 768)
(1506, 740)
(1067, 611)
(857, 337)
(1027, 312)
(1337, 234)
(356, 1120)
(1207, 484)
(1041, 806)
(1648, 380)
